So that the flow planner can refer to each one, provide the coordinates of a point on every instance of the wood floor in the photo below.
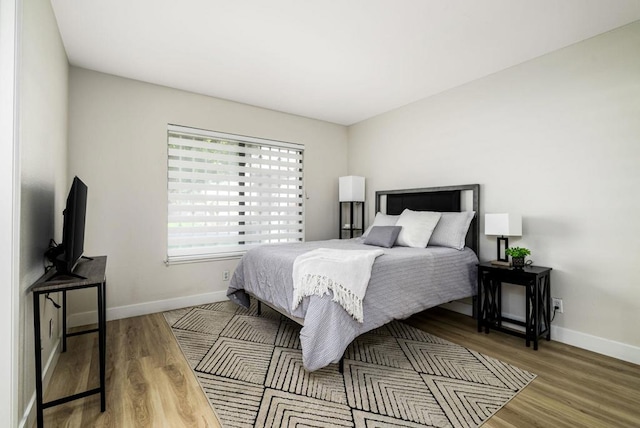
(149, 384)
(574, 388)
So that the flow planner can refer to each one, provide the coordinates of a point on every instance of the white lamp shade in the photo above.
(351, 189)
(504, 224)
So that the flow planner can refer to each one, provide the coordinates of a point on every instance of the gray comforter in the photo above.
(403, 281)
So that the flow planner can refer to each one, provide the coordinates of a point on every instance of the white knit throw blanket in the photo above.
(345, 272)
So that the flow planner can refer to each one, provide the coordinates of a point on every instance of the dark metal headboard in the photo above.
(443, 199)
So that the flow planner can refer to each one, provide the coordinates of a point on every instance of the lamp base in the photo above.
(505, 241)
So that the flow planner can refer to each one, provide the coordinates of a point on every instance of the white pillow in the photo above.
(451, 230)
(382, 220)
(417, 227)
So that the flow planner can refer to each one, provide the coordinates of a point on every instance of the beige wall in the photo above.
(118, 146)
(556, 139)
(43, 172)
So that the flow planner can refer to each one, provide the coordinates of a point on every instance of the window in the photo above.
(228, 193)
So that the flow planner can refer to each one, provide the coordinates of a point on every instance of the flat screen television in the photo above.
(73, 228)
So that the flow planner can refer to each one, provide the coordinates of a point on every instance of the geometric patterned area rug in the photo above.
(250, 368)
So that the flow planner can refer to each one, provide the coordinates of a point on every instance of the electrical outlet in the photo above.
(557, 304)
(225, 275)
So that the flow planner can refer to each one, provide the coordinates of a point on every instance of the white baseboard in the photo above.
(600, 345)
(619, 350)
(91, 317)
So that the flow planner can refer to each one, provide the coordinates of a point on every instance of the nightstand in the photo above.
(537, 283)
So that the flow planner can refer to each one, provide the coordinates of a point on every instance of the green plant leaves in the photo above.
(517, 252)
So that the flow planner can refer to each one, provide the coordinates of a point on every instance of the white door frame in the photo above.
(9, 210)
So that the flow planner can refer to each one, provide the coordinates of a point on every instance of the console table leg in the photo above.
(64, 320)
(101, 343)
(38, 358)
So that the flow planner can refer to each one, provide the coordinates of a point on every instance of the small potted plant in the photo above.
(517, 256)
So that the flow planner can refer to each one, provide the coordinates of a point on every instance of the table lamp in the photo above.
(502, 225)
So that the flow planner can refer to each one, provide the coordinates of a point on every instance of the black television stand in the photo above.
(88, 274)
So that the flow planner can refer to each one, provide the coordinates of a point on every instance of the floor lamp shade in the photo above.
(351, 189)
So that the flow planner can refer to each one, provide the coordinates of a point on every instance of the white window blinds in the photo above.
(228, 193)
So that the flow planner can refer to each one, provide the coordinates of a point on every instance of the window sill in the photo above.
(202, 259)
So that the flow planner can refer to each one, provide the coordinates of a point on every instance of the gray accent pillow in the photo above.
(383, 236)
(382, 219)
(451, 230)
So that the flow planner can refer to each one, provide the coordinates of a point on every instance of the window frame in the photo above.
(234, 145)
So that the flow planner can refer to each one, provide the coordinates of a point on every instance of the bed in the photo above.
(404, 280)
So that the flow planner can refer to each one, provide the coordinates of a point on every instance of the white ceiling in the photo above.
(342, 61)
